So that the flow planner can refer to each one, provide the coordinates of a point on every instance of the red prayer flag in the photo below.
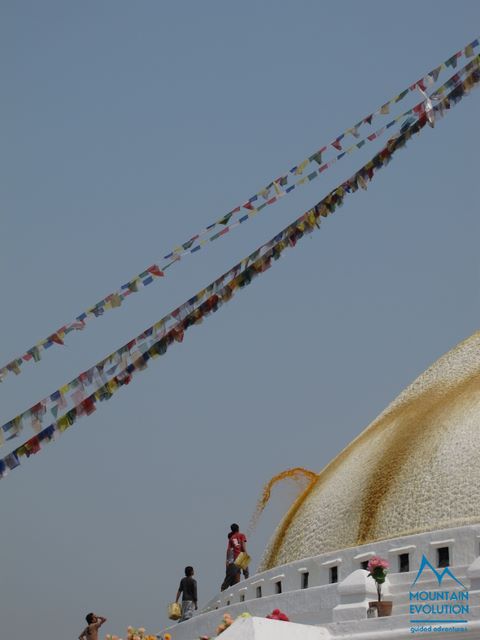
(155, 270)
(32, 445)
(88, 406)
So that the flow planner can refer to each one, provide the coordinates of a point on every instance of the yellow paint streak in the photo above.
(403, 439)
(298, 474)
(270, 561)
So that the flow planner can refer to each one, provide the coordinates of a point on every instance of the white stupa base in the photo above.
(264, 629)
(340, 610)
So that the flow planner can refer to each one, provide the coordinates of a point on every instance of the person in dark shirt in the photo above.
(188, 589)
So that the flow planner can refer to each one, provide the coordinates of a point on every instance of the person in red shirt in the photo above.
(232, 572)
(238, 543)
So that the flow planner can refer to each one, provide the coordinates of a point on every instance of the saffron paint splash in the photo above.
(303, 478)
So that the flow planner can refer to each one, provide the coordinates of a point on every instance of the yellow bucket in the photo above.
(243, 560)
(174, 611)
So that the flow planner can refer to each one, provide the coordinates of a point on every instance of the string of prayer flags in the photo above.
(57, 400)
(418, 110)
(156, 339)
(280, 187)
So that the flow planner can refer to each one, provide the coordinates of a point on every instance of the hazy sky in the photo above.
(127, 127)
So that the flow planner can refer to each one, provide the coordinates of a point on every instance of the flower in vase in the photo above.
(377, 569)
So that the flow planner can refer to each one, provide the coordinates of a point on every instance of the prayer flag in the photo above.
(301, 167)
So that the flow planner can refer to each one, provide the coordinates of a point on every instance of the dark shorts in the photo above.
(232, 576)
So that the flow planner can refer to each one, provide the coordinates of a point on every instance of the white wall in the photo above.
(315, 604)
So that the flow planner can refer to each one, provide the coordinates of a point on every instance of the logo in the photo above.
(440, 576)
(442, 609)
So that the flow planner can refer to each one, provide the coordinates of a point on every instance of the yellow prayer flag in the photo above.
(112, 386)
(115, 300)
(278, 191)
(301, 167)
(324, 211)
(63, 423)
(264, 193)
(385, 108)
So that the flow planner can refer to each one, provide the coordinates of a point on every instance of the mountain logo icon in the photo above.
(440, 575)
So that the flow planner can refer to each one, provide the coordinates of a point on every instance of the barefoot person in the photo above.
(94, 623)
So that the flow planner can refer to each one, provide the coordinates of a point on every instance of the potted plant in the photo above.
(377, 569)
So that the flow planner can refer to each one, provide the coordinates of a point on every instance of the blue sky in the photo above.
(126, 128)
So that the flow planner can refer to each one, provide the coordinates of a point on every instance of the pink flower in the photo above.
(278, 615)
(377, 563)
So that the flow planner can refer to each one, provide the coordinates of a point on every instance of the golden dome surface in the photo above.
(415, 468)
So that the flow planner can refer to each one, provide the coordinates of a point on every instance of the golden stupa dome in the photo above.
(415, 468)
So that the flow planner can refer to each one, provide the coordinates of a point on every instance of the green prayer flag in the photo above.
(317, 157)
(401, 95)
